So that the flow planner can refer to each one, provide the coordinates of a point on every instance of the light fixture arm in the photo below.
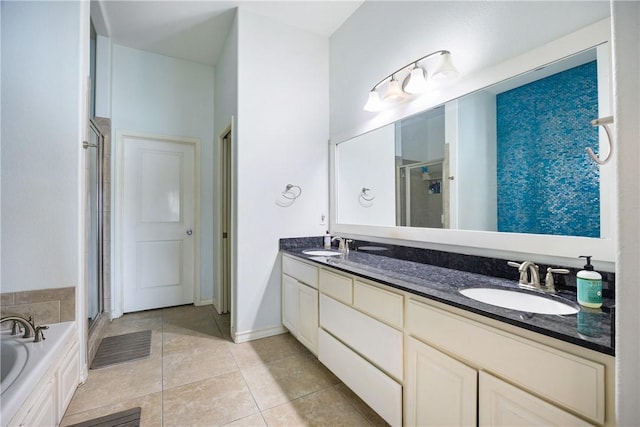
(437, 52)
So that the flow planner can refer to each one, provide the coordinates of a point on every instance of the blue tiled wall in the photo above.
(546, 182)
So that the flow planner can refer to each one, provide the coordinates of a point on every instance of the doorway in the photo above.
(225, 220)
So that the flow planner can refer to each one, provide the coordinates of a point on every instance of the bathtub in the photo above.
(25, 363)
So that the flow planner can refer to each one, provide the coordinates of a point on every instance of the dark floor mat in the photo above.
(128, 418)
(122, 348)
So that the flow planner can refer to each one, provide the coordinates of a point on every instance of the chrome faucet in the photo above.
(343, 244)
(27, 324)
(529, 274)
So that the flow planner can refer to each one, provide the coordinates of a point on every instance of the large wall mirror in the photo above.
(507, 160)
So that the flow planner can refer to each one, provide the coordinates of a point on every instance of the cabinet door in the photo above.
(502, 404)
(43, 410)
(290, 304)
(67, 379)
(439, 390)
(308, 317)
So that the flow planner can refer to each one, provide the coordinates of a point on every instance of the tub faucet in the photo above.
(27, 324)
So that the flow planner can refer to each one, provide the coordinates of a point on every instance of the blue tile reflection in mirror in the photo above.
(542, 129)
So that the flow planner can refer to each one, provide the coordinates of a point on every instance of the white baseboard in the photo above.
(239, 337)
(203, 302)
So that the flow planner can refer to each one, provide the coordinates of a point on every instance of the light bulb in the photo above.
(394, 91)
(415, 82)
(445, 69)
(374, 103)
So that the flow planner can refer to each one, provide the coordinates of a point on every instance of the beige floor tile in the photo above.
(177, 339)
(364, 409)
(323, 408)
(211, 402)
(115, 384)
(151, 415)
(134, 322)
(255, 420)
(199, 363)
(195, 326)
(266, 350)
(284, 380)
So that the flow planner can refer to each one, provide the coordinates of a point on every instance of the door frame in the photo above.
(117, 233)
(219, 245)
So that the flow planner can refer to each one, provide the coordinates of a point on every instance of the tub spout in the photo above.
(27, 324)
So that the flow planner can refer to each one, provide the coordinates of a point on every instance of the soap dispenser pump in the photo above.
(589, 284)
(327, 240)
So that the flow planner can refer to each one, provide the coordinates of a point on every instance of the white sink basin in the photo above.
(521, 300)
(321, 252)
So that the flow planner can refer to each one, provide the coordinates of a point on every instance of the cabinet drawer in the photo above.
(571, 381)
(382, 304)
(299, 270)
(502, 404)
(336, 286)
(379, 391)
(377, 342)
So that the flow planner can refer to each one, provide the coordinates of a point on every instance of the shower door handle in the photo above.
(189, 232)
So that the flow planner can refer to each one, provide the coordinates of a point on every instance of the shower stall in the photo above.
(94, 224)
(420, 191)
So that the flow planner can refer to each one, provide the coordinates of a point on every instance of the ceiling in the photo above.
(196, 30)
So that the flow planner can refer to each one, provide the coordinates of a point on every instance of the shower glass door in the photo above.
(94, 237)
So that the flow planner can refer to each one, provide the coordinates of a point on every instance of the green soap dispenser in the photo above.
(589, 286)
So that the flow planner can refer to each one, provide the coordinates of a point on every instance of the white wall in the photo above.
(166, 96)
(626, 74)
(367, 161)
(283, 104)
(478, 34)
(225, 108)
(44, 72)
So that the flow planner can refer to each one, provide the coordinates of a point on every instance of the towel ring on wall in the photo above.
(365, 194)
(603, 121)
(365, 198)
(290, 194)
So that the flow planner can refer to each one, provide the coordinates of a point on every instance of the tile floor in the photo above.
(196, 376)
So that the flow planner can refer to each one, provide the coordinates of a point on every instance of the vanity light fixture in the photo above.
(415, 82)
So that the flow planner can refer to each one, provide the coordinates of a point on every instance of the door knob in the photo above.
(189, 232)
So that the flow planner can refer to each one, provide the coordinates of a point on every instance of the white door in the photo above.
(158, 223)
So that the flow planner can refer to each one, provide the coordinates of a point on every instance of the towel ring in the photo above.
(604, 121)
(366, 196)
(290, 194)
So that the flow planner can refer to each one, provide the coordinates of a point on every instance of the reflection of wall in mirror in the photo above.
(367, 161)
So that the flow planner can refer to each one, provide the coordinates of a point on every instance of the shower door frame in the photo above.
(93, 127)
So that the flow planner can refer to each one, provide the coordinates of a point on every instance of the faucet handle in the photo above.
(513, 264)
(15, 328)
(549, 281)
(39, 335)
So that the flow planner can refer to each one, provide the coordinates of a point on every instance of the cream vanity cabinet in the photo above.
(455, 365)
(361, 340)
(300, 301)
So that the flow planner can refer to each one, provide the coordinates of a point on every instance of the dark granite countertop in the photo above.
(592, 329)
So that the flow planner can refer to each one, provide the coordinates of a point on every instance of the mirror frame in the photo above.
(541, 248)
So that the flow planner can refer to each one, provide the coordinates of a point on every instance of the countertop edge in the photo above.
(529, 326)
